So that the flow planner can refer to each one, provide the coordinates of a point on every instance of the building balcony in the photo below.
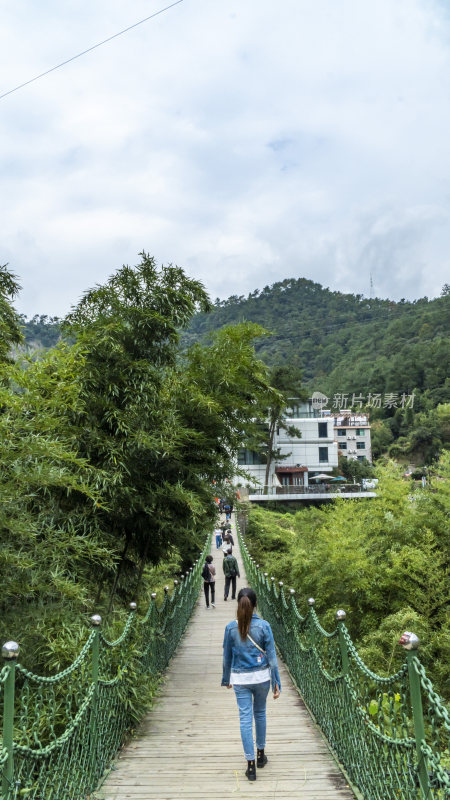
(303, 415)
(317, 489)
(361, 421)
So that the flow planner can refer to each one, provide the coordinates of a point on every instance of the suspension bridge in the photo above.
(337, 731)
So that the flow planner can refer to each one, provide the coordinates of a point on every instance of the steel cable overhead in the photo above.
(89, 49)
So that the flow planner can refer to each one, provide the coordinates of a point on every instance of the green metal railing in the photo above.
(61, 733)
(391, 734)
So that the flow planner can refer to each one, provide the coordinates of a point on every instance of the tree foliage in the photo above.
(51, 545)
(385, 561)
(287, 380)
(10, 331)
(128, 332)
(226, 391)
(114, 445)
(348, 343)
(115, 442)
(41, 331)
(345, 343)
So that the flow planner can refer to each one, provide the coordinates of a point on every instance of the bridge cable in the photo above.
(89, 49)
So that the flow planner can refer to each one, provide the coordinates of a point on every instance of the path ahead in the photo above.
(189, 746)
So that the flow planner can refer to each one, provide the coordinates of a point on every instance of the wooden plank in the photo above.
(189, 745)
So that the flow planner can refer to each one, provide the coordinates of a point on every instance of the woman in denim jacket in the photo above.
(249, 664)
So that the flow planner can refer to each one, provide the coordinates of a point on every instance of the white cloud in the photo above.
(246, 142)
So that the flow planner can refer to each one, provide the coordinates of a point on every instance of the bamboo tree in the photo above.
(128, 330)
(287, 380)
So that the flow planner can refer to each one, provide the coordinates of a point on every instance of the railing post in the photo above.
(340, 618)
(10, 652)
(96, 621)
(311, 629)
(410, 642)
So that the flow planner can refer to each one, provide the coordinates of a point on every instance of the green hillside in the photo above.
(41, 331)
(349, 344)
(346, 344)
(375, 344)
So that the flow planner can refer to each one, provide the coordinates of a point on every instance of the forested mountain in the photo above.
(341, 342)
(41, 331)
(345, 341)
(346, 344)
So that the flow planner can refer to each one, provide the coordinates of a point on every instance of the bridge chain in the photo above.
(366, 718)
(66, 729)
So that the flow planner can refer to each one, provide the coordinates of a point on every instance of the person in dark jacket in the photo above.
(249, 666)
(227, 543)
(229, 535)
(209, 584)
(231, 572)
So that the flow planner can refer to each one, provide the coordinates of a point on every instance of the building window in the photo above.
(323, 430)
(361, 458)
(323, 455)
(342, 445)
(242, 456)
(360, 445)
(360, 431)
(342, 432)
(249, 457)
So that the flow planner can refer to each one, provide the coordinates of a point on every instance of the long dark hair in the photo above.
(246, 605)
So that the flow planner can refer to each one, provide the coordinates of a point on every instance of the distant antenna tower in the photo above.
(371, 287)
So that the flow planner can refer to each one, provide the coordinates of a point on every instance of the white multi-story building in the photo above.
(314, 453)
(352, 434)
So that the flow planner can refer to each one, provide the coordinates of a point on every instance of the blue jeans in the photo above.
(251, 700)
(218, 540)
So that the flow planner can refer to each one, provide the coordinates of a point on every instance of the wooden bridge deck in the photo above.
(189, 747)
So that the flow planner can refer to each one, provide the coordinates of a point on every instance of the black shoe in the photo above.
(261, 759)
(225, 598)
(251, 770)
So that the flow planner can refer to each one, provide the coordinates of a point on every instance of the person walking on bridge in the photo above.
(229, 535)
(231, 572)
(227, 544)
(228, 509)
(249, 666)
(218, 533)
(209, 581)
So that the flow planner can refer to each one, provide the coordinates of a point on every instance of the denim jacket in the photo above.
(242, 656)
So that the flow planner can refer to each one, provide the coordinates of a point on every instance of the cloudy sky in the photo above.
(247, 141)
